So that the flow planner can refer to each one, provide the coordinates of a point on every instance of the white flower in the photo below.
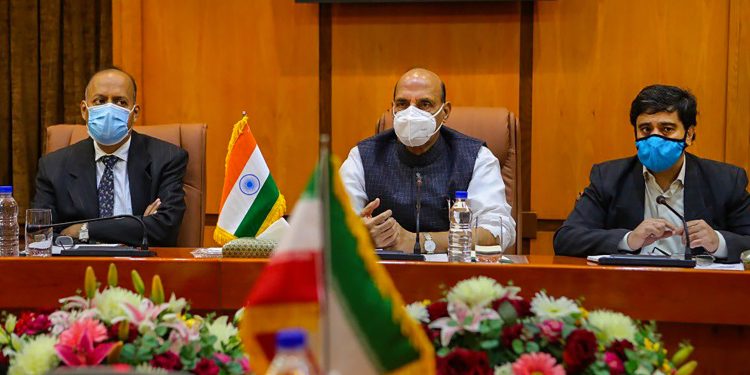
(612, 326)
(546, 307)
(147, 369)
(479, 292)
(506, 369)
(418, 311)
(222, 330)
(111, 301)
(176, 305)
(37, 356)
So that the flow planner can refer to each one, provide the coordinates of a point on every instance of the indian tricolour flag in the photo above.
(363, 327)
(250, 201)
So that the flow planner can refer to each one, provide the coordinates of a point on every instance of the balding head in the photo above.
(111, 77)
(418, 76)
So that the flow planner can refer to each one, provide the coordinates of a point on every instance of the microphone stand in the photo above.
(663, 201)
(417, 245)
(144, 242)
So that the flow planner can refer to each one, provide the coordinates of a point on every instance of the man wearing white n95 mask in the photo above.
(380, 173)
(114, 172)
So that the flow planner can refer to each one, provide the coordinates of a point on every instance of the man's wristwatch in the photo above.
(83, 234)
(429, 244)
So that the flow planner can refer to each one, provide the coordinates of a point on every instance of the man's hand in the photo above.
(701, 234)
(383, 228)
(72, 231)
(650, 231)
(152, 208)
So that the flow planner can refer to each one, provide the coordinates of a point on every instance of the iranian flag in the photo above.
(250, 201)
(362, 327)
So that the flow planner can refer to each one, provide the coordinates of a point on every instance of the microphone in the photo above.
(417, 246)
(663, 201)
(144, 242)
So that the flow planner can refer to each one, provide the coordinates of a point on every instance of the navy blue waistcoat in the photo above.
(390, 174)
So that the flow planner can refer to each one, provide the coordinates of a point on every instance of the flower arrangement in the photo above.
(117, 326)
(482, 327)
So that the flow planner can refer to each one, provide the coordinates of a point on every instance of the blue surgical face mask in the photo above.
(658, 153)
(108, 123)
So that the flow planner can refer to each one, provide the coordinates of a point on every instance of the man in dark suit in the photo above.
(618, 212)
(116, 171)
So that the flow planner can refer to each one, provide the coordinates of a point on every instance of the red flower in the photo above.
(113, 332)
(511, 333)
(580, 350)
(206, 367)
(438, 310)
(619, 346)
(464, 362)
(32, 323)
(3, 359)
(168, 361)
(432, 334)
(522, 306)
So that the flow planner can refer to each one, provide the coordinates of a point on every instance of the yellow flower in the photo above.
(426, 302)
(612, 326)
(584, 313)
(223, 330)
(648, 344)
(37, 356)
(479, 291)
(110, 301)
(190, 322)
(666, 367)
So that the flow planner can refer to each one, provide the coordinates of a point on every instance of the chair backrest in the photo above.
(497, 127)
(192, 138)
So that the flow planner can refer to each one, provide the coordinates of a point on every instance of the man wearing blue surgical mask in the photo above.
(618, 211)
(114, 172)
(380, 173)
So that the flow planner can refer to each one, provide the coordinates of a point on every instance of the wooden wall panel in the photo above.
(474, 48)
(738, 85)
(207, 63)
(590, 60)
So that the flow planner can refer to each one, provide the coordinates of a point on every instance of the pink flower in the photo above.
(537, 363)
(73, 335)
(83, 353)
(616, 367)
(206, 367)
(551, 330)
(222, 358)
(31, 323)
(245, 363)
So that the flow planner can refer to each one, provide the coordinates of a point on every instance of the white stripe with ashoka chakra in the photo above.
(238, 203)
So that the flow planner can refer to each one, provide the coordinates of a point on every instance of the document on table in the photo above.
(714, 266)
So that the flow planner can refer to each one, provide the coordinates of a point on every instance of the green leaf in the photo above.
(234, 368)
(518, 346)
(489, 344)
(532, 347)
(443, 352)
(161, 331)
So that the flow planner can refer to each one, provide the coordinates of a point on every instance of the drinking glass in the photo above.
(489, 254)
(38, 241)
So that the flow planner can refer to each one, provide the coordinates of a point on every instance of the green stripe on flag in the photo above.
(370, 314)
(259, 210)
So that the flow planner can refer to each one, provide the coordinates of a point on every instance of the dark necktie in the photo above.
(106, 189)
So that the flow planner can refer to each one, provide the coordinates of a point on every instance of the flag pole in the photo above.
(325, 195)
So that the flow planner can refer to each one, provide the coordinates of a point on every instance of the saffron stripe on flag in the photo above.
(241, 151)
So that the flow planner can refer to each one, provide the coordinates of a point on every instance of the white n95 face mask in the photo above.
(414, 127)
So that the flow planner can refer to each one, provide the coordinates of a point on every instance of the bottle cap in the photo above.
(6, 189)
(460, 194)
(291, 339)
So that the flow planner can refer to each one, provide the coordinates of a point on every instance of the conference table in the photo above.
(708, 307)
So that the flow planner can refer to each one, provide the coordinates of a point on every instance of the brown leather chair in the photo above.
(499, 128)
(192, 138)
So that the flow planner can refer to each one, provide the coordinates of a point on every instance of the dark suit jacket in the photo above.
(66, 183)
(612, 205)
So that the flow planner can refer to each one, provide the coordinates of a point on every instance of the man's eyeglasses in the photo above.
(638, 252)
(66, 242)
(702, 259)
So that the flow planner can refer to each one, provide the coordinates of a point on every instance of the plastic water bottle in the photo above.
(459, 236)
(8, 223)
(291, 354)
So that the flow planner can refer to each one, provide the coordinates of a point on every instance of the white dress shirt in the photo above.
(123, 204)
(486, 193)
(675, 196)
